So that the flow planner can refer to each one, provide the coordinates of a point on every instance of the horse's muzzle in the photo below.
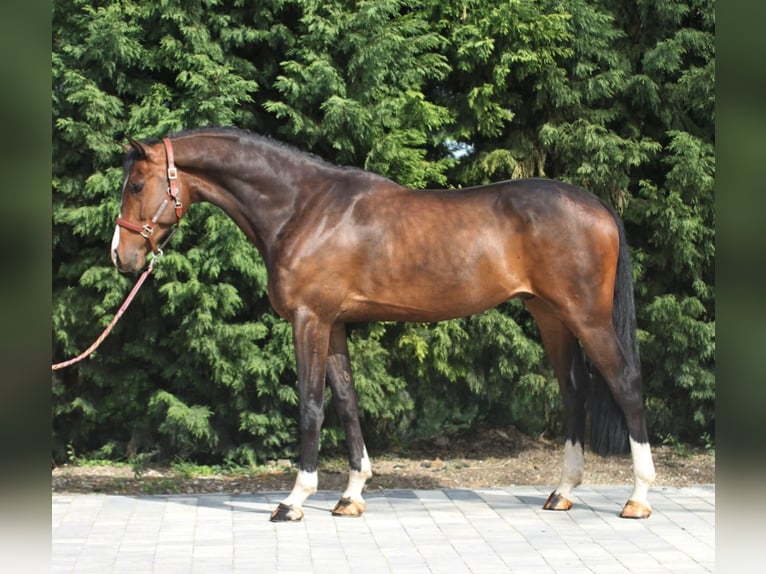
(131, 265)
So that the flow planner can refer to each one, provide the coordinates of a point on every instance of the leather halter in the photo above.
(147, 231)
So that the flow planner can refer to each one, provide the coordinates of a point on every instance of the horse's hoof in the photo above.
(286, 513)
(557, 502)
(633, 509)
(348, 507)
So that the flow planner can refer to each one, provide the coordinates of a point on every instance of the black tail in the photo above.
(608, 431)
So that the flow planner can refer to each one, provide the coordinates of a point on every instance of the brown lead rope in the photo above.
(109, 327)
(121, 310)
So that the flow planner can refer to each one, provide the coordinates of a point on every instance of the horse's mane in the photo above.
(265, 140)
(258, 139)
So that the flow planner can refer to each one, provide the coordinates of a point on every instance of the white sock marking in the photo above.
(358, 478)
(573, 469)
(305, 485)
(643, 471)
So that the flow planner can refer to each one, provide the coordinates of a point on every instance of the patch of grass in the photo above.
(683, 450)
(187, 469)
(680, 448)
(87, 461)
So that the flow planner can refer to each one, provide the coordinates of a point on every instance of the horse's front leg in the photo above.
(311, 337)
(344, 395)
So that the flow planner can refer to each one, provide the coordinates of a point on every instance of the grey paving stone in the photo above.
(443, 530)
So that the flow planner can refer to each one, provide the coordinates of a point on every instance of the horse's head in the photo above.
(152, 203)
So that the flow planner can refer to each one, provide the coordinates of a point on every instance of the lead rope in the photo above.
(121, 310)
(109, 327)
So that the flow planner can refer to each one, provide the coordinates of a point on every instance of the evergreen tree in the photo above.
(618, 98)
(173, 375)
(670, 96)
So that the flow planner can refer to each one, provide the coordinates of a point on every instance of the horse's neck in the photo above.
(256, 184)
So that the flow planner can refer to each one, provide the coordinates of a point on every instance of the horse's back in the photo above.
(381, 251)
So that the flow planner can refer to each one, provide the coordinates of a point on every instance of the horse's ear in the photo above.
(135, 145)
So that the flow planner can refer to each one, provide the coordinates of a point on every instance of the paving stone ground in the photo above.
(402, 531)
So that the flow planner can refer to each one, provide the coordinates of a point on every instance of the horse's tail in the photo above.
(608, 430)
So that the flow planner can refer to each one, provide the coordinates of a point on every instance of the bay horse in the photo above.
(343, 245)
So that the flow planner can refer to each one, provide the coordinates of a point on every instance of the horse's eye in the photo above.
(135, 187)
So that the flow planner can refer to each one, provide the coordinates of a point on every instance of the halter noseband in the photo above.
(147, 231)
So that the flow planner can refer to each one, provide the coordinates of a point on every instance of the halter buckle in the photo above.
(146, 231)
(172, 173)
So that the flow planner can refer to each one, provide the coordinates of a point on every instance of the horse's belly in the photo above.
(427, 302)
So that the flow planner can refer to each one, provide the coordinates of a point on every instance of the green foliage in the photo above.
(484, 368)
(351, 87)
(184, 426)
(616, 97)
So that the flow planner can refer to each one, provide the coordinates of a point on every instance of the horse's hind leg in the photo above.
(624, 381)
(344, 395)
(566, 359)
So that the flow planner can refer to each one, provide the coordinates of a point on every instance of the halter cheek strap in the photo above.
(147, 230)
(172, 177)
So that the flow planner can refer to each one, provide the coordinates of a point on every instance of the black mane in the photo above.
(258, 138)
